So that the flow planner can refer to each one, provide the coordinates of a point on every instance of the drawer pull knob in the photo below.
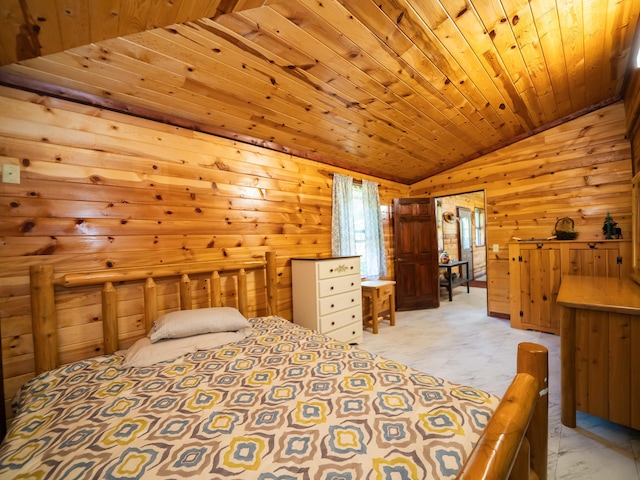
(333, 323)
(332, 305)
(331, 288)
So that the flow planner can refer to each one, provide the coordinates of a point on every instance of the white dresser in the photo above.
(327, 296)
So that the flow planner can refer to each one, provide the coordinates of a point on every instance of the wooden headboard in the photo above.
(43, 283)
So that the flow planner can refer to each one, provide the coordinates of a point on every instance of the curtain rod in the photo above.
(355, 180)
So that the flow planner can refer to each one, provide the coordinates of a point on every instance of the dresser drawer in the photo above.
(332, 286)
(337, 320)
(338, 267)
(348, 334)
(342, 301)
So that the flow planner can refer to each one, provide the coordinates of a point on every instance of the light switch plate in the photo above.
(10, 173)
(496, 248)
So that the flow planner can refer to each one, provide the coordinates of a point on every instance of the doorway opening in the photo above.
(461, 223)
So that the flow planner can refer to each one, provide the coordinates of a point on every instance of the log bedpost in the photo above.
(109, 318)
(43, 318)
(150, 304)
(185, 292)
(243, 301)
(520, 423)
(534, 360)
(272, 283)
(216, 290)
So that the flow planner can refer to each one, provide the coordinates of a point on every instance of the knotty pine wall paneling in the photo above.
(632, 109)
(580, 169)
(105, 190)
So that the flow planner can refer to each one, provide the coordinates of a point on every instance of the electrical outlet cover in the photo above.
(10, 173)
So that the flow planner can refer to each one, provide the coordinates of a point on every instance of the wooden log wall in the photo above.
(105, 190)
(632, 109)
(580, 169)
(101, 189)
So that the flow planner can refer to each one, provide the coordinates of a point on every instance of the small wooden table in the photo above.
(376, 291)
(449, 282)
(599, 355)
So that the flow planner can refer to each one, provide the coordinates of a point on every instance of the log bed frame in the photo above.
(513, 446)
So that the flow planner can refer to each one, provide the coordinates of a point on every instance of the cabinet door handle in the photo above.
(592, 245)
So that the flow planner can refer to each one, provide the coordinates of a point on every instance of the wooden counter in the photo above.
(600, 354)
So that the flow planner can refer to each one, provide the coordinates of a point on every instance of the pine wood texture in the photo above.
(32, 27)
(537, 268)
(104, 191)
(602, 373)
(396, 89)
(632, 108)
(47, 330)
(581, 169)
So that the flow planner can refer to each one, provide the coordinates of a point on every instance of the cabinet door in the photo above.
(594, 260)
(538, 275)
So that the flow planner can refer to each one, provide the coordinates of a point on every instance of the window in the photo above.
(479, 221)
(356, 225)
(359, 228)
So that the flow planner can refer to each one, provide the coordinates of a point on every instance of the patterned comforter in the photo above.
(284, 403)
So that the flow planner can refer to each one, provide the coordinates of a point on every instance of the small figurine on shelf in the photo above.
(445, 257)
(609, 228)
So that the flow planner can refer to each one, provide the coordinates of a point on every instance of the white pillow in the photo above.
(144, 353)
(185, 323)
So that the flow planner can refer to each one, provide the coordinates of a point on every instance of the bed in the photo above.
(211, 393)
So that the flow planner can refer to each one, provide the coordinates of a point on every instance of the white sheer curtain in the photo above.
(374, 236)
(343, 238)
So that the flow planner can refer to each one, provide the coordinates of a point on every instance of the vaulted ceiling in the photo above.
(399, 89)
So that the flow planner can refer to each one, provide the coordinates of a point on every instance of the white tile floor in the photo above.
(459, 342)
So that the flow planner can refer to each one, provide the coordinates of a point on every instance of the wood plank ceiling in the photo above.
(399, 89)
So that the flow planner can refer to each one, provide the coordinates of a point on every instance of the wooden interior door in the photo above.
(416, 253)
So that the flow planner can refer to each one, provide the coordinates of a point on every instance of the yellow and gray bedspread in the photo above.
(285, 403)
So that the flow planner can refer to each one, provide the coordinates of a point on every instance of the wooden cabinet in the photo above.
(536, 270)
(600, 361)
(327, 296)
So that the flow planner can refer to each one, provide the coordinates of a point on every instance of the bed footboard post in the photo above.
(533, 359)
(43, 318)
(272, 283)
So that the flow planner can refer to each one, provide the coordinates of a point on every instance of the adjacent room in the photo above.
(211, 209)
